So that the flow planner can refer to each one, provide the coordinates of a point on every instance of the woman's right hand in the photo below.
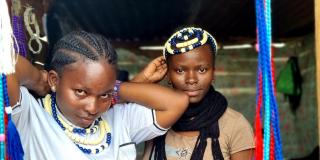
(153, 72)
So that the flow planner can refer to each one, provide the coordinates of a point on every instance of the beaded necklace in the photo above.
(79, 135)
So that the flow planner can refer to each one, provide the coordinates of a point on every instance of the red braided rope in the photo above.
(258, 124)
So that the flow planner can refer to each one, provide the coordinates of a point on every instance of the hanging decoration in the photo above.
(18, 29)
(268, 143)
(10, 145)
(29, 20)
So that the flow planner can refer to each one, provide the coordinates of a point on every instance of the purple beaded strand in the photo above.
(18, 31)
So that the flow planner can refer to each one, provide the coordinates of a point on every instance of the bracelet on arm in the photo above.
(116, 96)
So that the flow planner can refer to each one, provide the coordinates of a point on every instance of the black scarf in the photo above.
(202, 117)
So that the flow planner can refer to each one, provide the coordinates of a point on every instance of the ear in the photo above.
(53, 79)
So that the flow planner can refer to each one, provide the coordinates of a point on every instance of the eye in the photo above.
(80, 92)
(106, 96)
(179, 70)
(202, 70)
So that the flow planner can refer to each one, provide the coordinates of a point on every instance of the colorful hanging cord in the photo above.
(268, 146)
(10, 144)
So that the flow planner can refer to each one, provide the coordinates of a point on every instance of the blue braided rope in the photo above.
(278, 146)
(263, 16)
(274, 107)
(263, 52)
(267, 78)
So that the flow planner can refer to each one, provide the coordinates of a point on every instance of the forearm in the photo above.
(169, 104)
(139, 78)
(150, 95)
(25, 74)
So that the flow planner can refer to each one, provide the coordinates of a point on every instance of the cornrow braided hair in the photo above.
(188, 39)
(81, 44)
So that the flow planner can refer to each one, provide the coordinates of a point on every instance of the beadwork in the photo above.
(18, 31)
(116, 97)
(73, 133)
(2, 124)
(187, 39)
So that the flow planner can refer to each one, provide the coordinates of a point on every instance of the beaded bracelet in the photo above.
(116, 96)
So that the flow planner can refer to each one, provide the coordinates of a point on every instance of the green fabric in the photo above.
(289, 79)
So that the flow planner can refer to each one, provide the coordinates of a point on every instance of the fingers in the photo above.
(159, 61)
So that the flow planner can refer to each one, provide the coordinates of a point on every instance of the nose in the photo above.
(92, 106)
(191, 77)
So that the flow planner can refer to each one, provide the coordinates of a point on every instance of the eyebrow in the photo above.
(108, 91)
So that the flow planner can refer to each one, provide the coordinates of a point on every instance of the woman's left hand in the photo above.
(153, 72)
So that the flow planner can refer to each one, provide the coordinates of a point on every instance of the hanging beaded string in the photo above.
(18, 31)
(271, 137)
(72, 132)
(184, 41)
(2, 123)
(30, 19)
(18, 28)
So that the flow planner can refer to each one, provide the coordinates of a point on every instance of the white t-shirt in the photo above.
(42, 137)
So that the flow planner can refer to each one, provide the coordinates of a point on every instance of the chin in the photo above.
(194, 99)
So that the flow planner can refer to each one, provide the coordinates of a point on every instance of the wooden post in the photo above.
(317, 44)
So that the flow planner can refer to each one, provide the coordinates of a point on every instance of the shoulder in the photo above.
(26, 100)
(236, 131)
(124, 109)
(129, 114)
(231, 116)
(233, 121)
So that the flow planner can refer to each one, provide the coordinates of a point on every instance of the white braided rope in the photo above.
(8, 57)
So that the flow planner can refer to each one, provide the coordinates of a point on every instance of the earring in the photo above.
(53, 89)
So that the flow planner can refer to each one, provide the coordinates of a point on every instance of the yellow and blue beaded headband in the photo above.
(188, 39)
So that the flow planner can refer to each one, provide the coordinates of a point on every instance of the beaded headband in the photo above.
(188, 39)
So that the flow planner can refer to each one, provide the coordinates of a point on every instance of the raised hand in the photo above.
(153, 72)
(43, 87)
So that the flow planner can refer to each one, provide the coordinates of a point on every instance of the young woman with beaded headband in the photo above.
(76, 121)
(209, 129)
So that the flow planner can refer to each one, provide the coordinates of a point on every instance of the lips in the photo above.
(87, 121)
(192, 93)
